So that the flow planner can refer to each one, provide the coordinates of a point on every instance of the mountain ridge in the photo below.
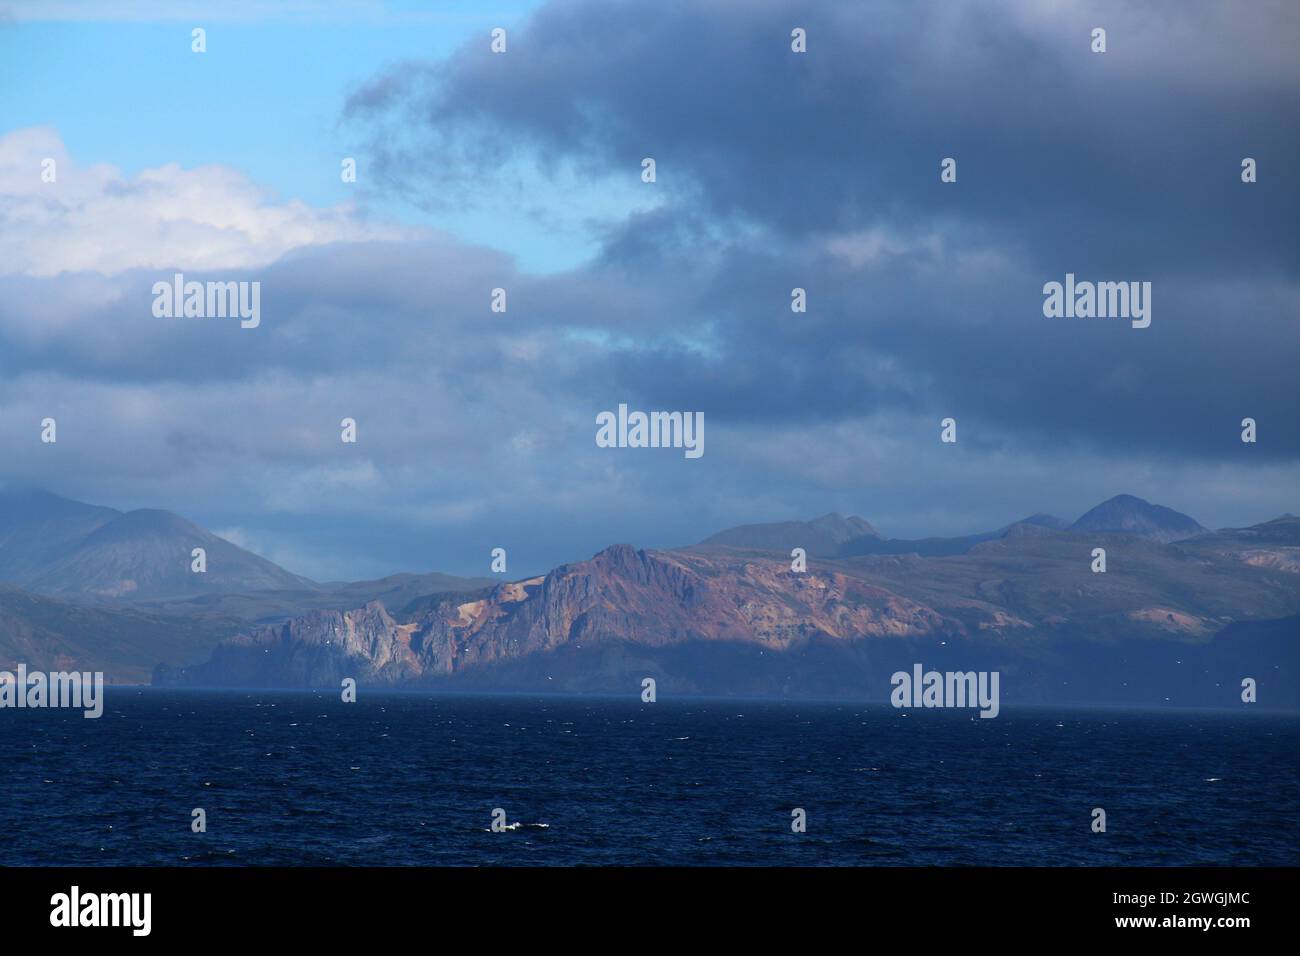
(818, 537)
(726, 615)
(1027, 603)
(1120, 514)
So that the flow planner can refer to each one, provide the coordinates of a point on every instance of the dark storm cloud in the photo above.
(1128, 158)
(774, 171)
(1115, 166)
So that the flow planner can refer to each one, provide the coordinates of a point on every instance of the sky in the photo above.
(522, 170)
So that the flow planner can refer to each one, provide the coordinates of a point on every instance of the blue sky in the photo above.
(265, 98)
(522, 171)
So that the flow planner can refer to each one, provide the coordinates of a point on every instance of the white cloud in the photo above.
(95, 219)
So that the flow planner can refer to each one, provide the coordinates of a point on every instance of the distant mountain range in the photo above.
(1179, 616)
(57, 546)
(1174, 619)
(93, 587)
(834, 536)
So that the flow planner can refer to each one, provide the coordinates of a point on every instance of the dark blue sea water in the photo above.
(396, 779)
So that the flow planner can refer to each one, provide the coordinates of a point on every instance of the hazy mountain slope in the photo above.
(38, 528)
(1043, 521)
(936, 547)
(821, 537)
(926, 547)
(126, 644)
(147, 554)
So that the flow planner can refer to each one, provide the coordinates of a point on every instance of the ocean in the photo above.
(413, 779)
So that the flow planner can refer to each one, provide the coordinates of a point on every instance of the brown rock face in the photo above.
(318, 649)
(621, 596)
(661, 598)
(722, 620)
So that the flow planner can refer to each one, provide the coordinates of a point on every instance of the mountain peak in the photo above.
(55, 545)
(151, 521)
(1129, 514)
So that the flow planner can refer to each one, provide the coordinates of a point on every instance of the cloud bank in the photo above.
(775, 171)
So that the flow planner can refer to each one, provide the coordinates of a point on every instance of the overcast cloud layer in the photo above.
(775, 170)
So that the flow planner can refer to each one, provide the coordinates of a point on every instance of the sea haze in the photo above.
(412, 779)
